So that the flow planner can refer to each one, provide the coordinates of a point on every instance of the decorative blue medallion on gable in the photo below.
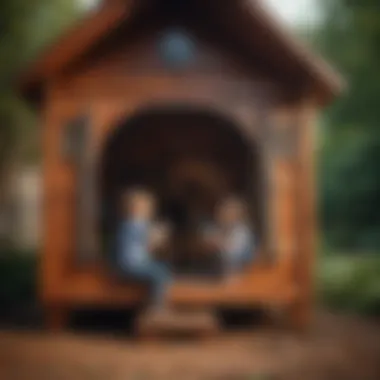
(177, 49)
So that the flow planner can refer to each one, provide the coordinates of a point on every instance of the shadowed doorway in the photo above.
(189, 159)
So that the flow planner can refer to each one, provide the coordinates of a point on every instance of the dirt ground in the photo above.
(337, 348)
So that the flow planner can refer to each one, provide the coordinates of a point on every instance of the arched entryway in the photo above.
(190, 159)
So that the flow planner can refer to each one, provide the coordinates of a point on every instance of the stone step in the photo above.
(177, 323)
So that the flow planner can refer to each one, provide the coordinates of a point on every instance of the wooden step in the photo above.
(176, 323)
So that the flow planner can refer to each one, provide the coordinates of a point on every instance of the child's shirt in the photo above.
(133, 243)
(237, 242)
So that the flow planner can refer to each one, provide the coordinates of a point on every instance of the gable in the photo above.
(144, 56)
(245, 29)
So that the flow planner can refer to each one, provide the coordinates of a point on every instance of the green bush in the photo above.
(17, 278)
(350, 283)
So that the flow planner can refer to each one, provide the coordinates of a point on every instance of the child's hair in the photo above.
(237, 202)
(130, 195)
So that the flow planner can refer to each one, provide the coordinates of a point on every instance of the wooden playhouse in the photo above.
(195, 99)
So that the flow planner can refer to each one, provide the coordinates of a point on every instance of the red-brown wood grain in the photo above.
(117, 83)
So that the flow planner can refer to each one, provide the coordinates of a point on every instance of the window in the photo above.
(177, 49)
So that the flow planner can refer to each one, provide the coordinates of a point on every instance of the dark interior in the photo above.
(189, 159)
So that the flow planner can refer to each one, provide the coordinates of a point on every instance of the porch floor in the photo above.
(263, 285)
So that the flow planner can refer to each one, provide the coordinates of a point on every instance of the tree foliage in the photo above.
(26, 27)
(350, 163)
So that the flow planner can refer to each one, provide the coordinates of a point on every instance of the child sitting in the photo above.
(137, 239)
(231, 237)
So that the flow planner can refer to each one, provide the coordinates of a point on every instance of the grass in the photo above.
(350, 282)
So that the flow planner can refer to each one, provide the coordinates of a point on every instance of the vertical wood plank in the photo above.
(87, 242)
(302, 311)
(268, 245)
(280, 152)
(284, 212)
(58, 186)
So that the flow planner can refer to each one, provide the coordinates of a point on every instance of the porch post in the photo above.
(264, 145)
(82, 153)
(302, 310)
(279, 140)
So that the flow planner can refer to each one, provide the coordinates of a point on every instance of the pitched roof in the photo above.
(262, 32)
